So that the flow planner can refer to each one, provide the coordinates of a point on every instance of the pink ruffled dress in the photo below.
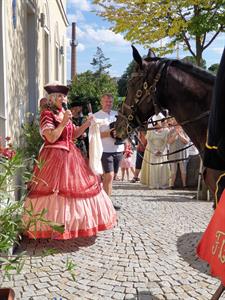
(66, 187)
(126, 161)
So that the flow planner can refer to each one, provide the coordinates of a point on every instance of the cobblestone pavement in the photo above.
(149, 255)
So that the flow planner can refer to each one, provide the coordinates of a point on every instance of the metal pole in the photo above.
(73, 52)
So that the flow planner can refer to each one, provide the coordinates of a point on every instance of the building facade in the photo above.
(32, 53)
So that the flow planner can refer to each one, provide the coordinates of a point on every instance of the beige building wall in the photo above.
(33, 52)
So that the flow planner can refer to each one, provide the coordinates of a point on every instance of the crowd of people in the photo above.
(67, 188)
(163, 141)
(66, 191)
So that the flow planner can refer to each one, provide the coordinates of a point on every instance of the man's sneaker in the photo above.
(135, 179)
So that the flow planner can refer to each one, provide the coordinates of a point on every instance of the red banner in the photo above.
(211, 247)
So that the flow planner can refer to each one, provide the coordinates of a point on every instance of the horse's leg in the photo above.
(218, 292)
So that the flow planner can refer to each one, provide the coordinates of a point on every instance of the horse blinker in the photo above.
(145, 85)
(139, 93)
(130, 118)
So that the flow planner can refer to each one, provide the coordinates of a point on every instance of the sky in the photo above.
(93, 31)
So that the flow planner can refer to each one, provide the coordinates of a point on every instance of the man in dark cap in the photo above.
(78, 119)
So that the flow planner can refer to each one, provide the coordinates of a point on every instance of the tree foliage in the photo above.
(191, 59)
(170, 21)
(100, 62)
(89, 88)
(31, 138)
(122, 82)
(214, 68)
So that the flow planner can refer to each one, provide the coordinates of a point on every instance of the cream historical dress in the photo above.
(155, 176)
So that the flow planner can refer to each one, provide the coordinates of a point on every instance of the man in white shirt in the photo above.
(112, 153)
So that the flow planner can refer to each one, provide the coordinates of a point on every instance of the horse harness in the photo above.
(167, 154)
(150, 90)
(141, 94)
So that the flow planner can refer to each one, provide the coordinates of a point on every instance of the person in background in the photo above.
(145, 166)
(112, 152)
(154, 173)
(78, 119)
(142, 142)
(126, 162)
(64, 187)
(43, 104)
(178, 140)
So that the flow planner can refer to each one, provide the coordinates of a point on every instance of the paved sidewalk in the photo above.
(149, 255)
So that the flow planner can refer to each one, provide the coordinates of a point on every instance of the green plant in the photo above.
(89, 87)
(12, 213)
(192, 24)
(11, 223)
(70, 267)
(31, 137)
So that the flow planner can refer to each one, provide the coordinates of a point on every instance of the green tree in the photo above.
(191, 59)
(89, 88)
(122, 82)
(100, 62)
(214, 68)
(170, 21)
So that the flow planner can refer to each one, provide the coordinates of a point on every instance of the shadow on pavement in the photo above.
(186, 246)
(129, 186)
(44, 247)
(158, 198)
(118, 185)
(183, 193)
(144, 296)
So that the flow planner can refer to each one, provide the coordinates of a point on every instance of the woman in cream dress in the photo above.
(156, 176)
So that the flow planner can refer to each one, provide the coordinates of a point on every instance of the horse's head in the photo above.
(141, 100)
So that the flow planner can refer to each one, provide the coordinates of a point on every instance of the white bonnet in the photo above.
(158, 117)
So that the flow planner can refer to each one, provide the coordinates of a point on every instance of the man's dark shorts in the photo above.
(111, 161)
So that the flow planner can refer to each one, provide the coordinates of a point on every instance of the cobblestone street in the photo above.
(149, 255)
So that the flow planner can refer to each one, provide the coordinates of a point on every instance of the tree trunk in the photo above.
(198, 45)
(198, 51)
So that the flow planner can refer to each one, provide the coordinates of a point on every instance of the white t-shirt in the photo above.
(108, 143)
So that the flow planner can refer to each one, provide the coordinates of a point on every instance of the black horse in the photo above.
(156, 84)
(185, 90)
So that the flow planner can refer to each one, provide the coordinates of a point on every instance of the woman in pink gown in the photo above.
(64, 185)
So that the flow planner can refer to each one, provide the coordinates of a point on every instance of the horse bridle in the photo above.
(151, 91)
(148, 91)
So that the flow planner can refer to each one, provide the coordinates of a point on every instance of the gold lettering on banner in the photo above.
(215, 246)
(219, 246)
(222, 252)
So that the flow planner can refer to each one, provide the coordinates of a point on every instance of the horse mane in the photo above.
(188, 68)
